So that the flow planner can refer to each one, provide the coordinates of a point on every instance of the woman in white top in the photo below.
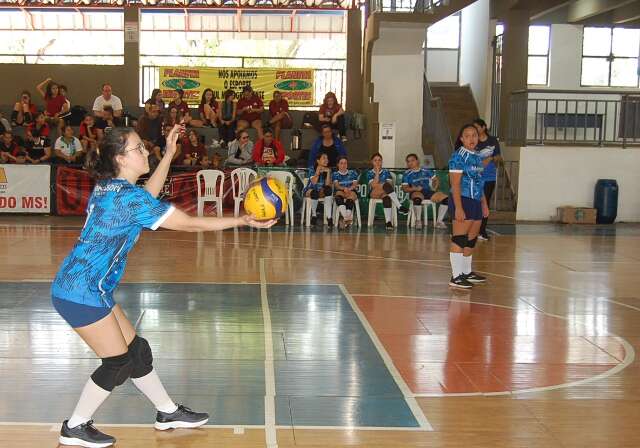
(68, 149)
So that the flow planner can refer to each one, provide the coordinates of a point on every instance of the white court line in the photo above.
(269, 369)
(406, 392)
(493, 232)
(629, 351)
(356, 428)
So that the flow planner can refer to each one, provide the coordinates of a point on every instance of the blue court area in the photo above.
(209, 348)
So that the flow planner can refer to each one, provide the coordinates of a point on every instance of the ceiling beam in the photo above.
(627, 13)
(582, 10)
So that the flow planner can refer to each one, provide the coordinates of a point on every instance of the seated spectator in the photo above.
(162, 146)
(68, 148)
(156, 98)
(208, 109)
(37, 142)
(345, 185)
(65, 93)
(182, 106)
(56, 103)
(279, 112)
(106, 122)
(150, 131)
(195, 154)
(249, 111)
(227, 116)
(89, 133)
(329, 144)
(172, 117)
(331, 113)
(267, 151)
(107, 99)
(240, 150)
(8, 148)
(24, 111)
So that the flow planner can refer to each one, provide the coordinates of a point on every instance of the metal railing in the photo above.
(413, 6)
(434, 127)
(329, 74)
(505, 197)
(595, 118)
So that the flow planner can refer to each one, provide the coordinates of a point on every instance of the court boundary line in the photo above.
(628, 348)
(270, 431)
(409, 398)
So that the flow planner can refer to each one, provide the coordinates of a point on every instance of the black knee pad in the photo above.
(445, 201)
(113, 372)
(327, 190)
(314, 194)
(339, 200)
(387, 187)
(141, 356)
(472, 243)
(460, 240)
(417, 201)
(386, 202)
(350, 204)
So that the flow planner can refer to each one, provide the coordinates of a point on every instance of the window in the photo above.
(610, 57)
(445, 33)
(538, 54)
(443, 50)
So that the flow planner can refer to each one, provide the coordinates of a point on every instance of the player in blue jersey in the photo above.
(422, 183)
(381, 187)
(468, 207)
(345, 184)
(83, 289)
(489, 149)
(319, 186)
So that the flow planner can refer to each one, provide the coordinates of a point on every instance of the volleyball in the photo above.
(266, 198)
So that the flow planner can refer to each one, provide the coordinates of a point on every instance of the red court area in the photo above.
(457, 347)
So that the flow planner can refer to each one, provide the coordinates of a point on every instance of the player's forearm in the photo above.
(156, 181)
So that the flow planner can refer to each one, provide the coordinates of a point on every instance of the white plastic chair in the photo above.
(289, 181)
(213, 183)
(411, 218)
(240, 180)
(305, 213)
(358, 218)
(374, 202)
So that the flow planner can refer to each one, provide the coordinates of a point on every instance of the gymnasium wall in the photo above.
(551, 177)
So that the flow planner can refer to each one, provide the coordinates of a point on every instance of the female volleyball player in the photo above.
(422, 183)
(82, 291)
(381, 187)
(319, 186)
(468, 207)
(489, 150)
(345, 184)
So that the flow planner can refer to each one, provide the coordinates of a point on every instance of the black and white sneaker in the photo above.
(314, 220)
(84, 435)
(183, 417)
(388, 225)
(460, 282)
(330, 223)
(472, 277)
(483, 237)
(403, 210)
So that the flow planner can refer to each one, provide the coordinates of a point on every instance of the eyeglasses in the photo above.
(140, 147)
(244, 137)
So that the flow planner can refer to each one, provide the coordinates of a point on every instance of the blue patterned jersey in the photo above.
(418, 178)
(318, 185)
(346, 179)
(489, 148)
(116, 214)
(469, 163)
(385, 175)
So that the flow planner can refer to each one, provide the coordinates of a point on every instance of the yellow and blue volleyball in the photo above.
(266, 198)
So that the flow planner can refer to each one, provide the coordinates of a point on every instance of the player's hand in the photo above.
(485, 210)
(252, 222)
(460, 216)
(172, 139)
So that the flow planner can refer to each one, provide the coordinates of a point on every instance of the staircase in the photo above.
(458, 106)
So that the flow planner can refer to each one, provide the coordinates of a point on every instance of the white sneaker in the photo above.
(440, 225)
(482, 238)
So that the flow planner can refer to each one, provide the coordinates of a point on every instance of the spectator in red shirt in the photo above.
(37, 140)
(195, 153)
(279, 112)
(249, 111)
(332, 113)
(156, 98)
(56, 103)
(24, 111)
(183, 108)
(89, 133)
(268, 152)
(208, 109)
(8, 148)
(172, 117)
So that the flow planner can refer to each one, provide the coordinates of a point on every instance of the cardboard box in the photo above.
(576, 215)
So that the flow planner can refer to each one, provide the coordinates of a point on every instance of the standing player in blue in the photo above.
(82, 291)
(381, 187)
(468, 207)
(319, 186)
(345, 184)
(422, 183)
(489, 149)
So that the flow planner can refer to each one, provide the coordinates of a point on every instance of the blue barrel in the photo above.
(605, 201)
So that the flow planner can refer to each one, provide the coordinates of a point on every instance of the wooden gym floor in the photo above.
(328, 339)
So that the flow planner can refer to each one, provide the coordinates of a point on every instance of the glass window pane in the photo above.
(537, 70)
(597, 42)
(624, 72)
(539, 40)
(499, 29)
(626, 42)
(595, 72)
(445, 33)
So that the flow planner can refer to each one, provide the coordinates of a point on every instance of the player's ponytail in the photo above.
(101, 162)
